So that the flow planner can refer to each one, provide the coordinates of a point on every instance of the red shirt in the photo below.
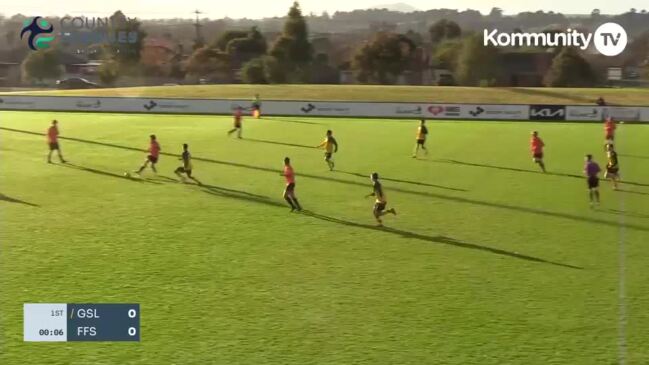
(536, 145)
(609, 126)
(154, 149)
(289, 175)
(53, 134)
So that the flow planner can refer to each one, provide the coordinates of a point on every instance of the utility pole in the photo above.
(198, 41)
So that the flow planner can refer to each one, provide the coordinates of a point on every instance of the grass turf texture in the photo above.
(488, 262)
(428, 94)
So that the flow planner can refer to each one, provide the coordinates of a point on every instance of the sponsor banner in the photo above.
(547, 112)
(444, 111)
(622, 113)
(329, 109)
(584, 113)
(495, 112)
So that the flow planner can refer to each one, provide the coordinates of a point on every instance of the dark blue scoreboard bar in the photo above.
(47, 322)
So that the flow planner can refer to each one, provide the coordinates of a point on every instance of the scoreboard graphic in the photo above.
(53, 322)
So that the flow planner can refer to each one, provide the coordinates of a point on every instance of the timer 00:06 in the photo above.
(50, 333)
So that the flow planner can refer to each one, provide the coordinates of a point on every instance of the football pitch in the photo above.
(488, 261)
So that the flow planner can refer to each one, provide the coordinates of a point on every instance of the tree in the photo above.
(108, 72)
(447, 53)
(246, 48)
(496, 13)
(253, 72)
(128, 50)
(221, 43)
(570, 69)
(385, 58)
(209, 63)
(293, 49)
(477, 64)
(444, 29)
(42, 64)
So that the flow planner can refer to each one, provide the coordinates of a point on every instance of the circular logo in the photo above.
(610, 39)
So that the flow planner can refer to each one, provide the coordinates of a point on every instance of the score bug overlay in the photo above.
(54, 322)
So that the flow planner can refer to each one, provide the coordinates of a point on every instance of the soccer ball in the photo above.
(127, 174)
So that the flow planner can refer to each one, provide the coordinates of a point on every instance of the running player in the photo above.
(609, 130)
(380, 203)
(53, 142)
(256, 107)
(154, 154)
(591, 170)
(612, 167)
(330, 146)
(422, 132)
(536, 145)
(289, 190)
(238, 115)
(187, 166)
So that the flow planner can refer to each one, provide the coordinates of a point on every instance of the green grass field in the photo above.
(488, 261)
(428, 94)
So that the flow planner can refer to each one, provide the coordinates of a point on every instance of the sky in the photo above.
(253, 9)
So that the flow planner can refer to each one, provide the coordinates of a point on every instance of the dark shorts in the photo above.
(421, 142)
(593, 182)
(328, 155)
(152, 159)
(610, 136)
(613, 170)
(538, 156)
(54, 146)
(290, 187)
(256, 107)
(379, 207)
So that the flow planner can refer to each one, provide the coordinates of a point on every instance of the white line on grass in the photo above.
(622, 319)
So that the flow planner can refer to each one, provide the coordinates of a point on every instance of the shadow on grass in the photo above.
(631, 192)
(514, 208)
(514, 169)
(107, 173)
(9, 199)
(278, 143)
(626, 213)
(402, 181)
(289, 120)
(634, 156)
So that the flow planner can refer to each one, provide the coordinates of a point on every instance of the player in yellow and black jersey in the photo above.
(330, 146)
(380, 201)
(187, 166)
(422, 132)
(612, 167)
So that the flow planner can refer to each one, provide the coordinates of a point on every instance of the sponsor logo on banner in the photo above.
(412, 110)
(164, 105)
(547, 112)
(331, 109)
(583, 113)
(512, 112)
(89, 105)
(622, 113)
(444, 111)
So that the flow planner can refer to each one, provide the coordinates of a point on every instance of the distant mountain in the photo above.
(400, 7)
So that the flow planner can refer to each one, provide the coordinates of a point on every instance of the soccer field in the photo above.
(488, 262)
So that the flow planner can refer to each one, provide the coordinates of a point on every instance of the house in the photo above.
(525, 68)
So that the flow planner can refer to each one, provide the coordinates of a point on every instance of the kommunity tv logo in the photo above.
(37, 27)
(610, 39)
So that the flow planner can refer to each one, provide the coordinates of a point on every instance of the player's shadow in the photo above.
(278, 143)
(14, 200)
(437, 240)
(634, 156)
(221, 191)
(403, 181)
(631, 192)
(456, 199)
(627, 213)
(107, 173)
(514, 169)
(289, 120)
